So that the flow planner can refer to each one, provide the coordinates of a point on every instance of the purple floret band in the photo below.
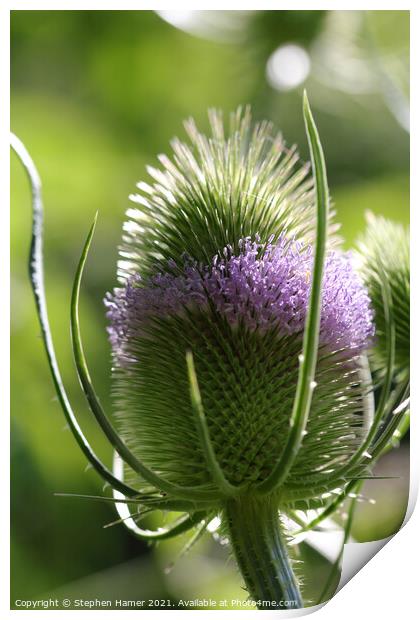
(264, 286)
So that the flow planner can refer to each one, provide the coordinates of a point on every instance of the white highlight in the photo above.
(180, 19)
(288, 67)
(213, 525)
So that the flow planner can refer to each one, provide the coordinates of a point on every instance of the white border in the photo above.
(214, 5)
(388, 585)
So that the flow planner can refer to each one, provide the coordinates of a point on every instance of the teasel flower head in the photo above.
(384, 260)
(208, 329)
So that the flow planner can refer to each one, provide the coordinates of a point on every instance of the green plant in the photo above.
(240, 338)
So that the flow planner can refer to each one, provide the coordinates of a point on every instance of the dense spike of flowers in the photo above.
(197, 278)
(262, 287)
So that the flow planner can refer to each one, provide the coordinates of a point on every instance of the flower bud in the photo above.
(384, 257)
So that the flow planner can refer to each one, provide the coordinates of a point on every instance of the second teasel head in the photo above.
(384, 261)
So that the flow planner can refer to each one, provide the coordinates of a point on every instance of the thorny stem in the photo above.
(261, 552)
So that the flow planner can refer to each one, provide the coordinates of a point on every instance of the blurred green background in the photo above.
(95, 96)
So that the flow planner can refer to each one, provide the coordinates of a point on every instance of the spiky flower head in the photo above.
(384, 260)
(217, 260)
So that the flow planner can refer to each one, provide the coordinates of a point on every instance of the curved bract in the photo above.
(147, 474)
(36, 272)
(308, 359)
(185, 523)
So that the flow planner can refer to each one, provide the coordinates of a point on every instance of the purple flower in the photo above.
(265, 286)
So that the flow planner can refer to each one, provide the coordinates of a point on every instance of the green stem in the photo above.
(261, 553)
(327, 592)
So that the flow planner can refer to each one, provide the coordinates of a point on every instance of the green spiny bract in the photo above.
(384, 256)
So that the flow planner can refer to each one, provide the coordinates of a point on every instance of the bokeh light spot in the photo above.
(287, 67)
